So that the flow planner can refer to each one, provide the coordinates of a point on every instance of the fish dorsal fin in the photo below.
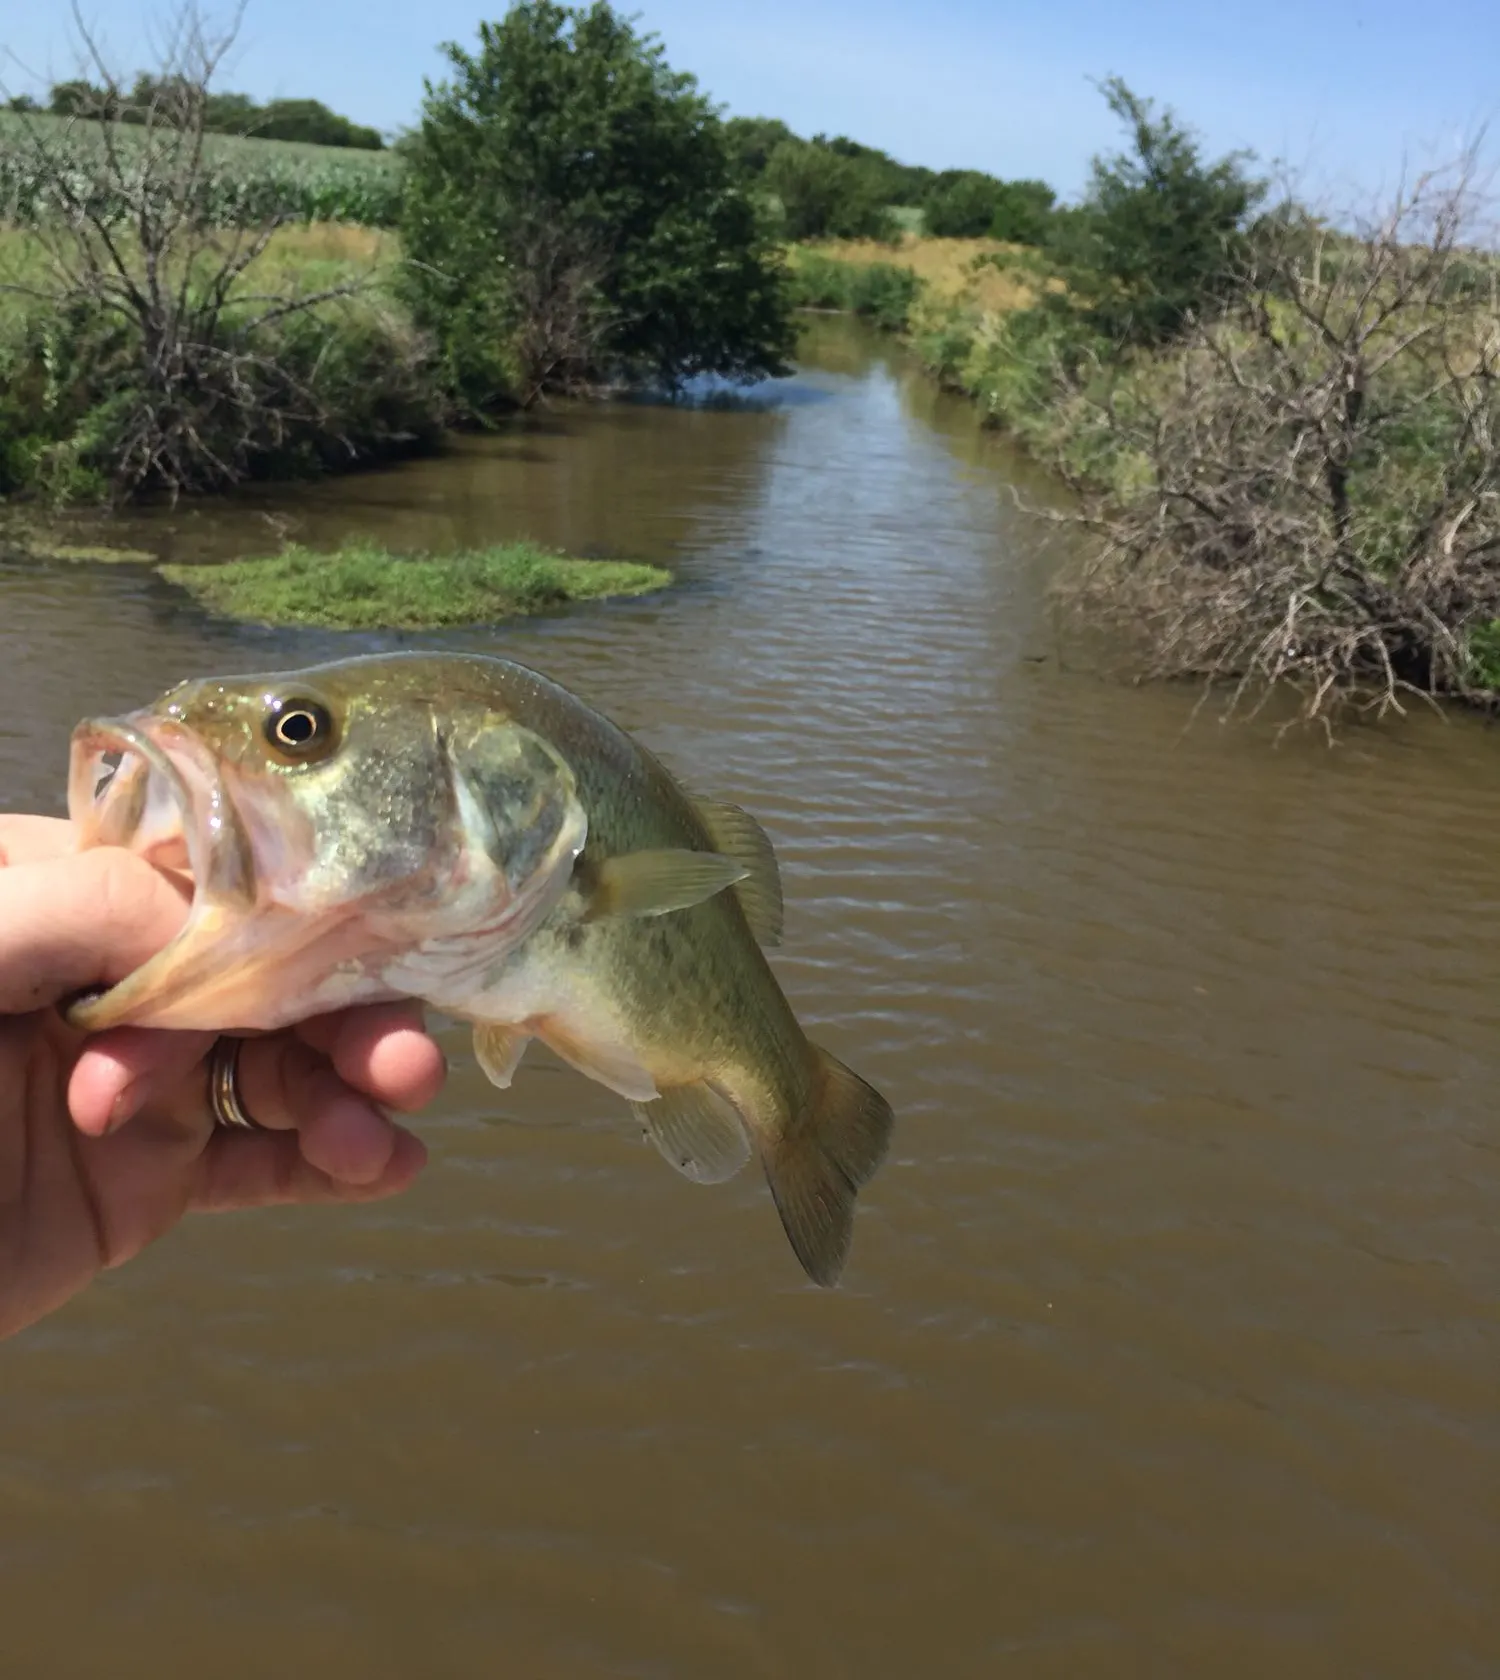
(737, 835)
(655, 883)
(498, 1048)
(697, 1131)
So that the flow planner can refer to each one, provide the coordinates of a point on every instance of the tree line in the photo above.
(837, 188)
(307, 121)
(575, 214)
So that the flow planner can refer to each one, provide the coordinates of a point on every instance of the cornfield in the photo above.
(242, 181)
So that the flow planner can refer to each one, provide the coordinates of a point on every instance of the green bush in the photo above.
(1484, 654)
(967, 204)
(892, 182)
(946, 346)
(1024, 212)
(317, 391)
(962, 205)
(826, 195)
(885, 292)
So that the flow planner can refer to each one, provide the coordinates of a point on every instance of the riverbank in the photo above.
(291, 361)
(1244, 521)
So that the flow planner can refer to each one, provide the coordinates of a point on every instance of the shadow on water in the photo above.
(1168, 1344)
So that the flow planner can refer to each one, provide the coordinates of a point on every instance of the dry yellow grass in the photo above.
(953, 269)
(313, 242)
(335, 242)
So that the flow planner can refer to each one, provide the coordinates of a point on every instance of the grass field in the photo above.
(246, 178)
(301, 258)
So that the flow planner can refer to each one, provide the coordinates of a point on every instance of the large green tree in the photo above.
(1161, 231)
(572, 210)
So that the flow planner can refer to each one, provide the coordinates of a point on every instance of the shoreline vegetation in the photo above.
(1281, 429)
(1282, 436)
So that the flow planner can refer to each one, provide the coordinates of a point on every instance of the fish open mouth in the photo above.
(141, 802)
(266, 942)
(149, 786)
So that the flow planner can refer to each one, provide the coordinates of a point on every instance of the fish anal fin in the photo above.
(815, 1169)
(655, 883)
(498, 1048)
(737, 835)
(697, 1131)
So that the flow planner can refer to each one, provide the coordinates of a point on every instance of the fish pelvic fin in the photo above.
(816, 1168)
(697, 1131)
(498, 1048)
(737, 834)
(655, 883)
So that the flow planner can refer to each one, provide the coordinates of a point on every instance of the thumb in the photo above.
(74, 922)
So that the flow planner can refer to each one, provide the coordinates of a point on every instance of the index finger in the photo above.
(28, 839)
(74, 922)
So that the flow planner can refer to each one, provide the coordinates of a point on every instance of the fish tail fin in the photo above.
(815, 1169)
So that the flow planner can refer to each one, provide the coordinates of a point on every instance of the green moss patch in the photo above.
(365, 587)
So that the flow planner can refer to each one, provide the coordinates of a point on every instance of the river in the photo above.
(1170, 1342)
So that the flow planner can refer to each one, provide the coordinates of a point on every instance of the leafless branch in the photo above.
(132, 246)
(1313, 495)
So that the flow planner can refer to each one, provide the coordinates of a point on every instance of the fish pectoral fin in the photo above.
(498, 1048)
(655, 883)
(607, 1061)
(737, 834)
(815, 1169)
(698, 1131)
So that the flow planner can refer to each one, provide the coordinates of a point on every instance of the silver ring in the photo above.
(224, 1087)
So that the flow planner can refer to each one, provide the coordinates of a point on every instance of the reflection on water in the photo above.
(1169, 1341)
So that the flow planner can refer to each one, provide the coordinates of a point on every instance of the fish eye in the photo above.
(299, 728)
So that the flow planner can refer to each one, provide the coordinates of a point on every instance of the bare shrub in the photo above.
(192, 357)
(1306, 489)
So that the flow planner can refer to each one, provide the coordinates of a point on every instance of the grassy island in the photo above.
(365, 587)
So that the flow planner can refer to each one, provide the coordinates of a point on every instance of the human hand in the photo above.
(106, 1142)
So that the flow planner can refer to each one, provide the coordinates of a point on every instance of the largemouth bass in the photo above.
(462, 830)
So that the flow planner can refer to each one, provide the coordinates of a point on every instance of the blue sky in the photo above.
(1339, 88)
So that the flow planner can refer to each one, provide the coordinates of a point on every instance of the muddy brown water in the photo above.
(1169, 1345)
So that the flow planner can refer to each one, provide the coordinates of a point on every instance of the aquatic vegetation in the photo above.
(365, 587)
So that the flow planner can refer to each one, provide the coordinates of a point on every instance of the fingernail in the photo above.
(124, 1107)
